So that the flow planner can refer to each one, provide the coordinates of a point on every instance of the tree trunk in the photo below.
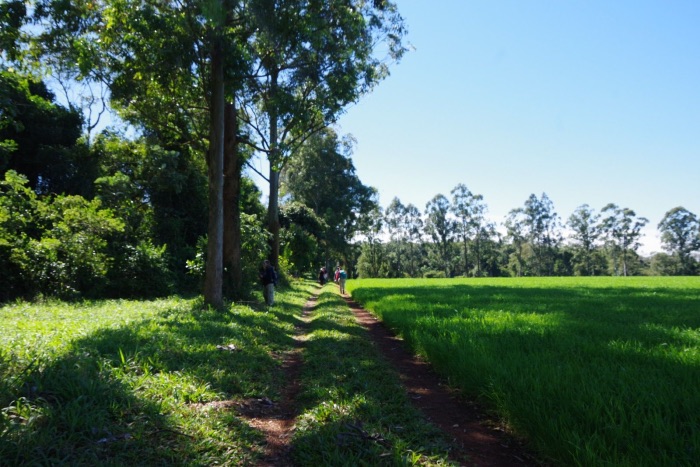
(214, 270)
(233, 166)
(273, 219)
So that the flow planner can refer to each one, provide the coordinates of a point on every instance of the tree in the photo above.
(314, 58)
(40, 137)
(515, 228)
(585, 232)
(536, 223)
(680, 236)
(469, 210)
(322, 176)
(13, 16)
(414, 235)
(622, 229)
(395, 223)
(441, 229)
(161, 60)
(371, 260)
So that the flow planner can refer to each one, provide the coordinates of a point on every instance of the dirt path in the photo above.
(473, 434)
(276, 420)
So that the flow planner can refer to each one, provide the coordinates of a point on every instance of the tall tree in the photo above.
(395, 223)
(585, 232)
(414, 234)
(622, 229)
(322, 176)
(469, 210)
(371, 260)
(680, 236)
(541, 224)
(160, 60)
(441, 229)
(314, 58)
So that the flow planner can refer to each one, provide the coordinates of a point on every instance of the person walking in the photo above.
(342, 277)
(268, 277)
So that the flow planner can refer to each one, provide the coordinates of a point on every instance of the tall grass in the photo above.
(593, 371)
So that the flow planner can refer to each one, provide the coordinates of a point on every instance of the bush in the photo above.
(141, 271)
(434, 274)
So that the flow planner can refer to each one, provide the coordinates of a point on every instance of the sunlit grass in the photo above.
(129, 382)
(148, 383)
(353, 408)
(593, 371)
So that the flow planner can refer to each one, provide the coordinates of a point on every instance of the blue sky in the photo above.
(590, 102)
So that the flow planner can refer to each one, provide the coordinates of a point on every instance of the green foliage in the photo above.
(53, 246)
(680, 235)
(42, 137)
(140, 271)
(592, 371)
(322, 178)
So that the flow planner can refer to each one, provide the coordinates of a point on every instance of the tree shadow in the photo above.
(111, 397)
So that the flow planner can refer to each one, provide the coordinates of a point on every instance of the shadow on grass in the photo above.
(138, 394)
(353, 408)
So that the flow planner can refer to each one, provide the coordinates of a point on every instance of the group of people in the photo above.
(339, 277)
(268, 278)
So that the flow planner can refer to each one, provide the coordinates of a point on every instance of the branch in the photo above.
(257, 171)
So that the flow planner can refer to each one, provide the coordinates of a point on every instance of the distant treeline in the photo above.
(452, 237)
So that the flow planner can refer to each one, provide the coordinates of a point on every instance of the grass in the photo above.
(353, 409)
(129, 383)
(143, 383)
(593, 371)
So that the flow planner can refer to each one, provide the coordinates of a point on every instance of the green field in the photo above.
(592, 371)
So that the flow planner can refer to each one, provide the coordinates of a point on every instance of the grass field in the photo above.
(592, 371)
(129, 383)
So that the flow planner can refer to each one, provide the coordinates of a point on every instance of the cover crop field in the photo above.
(592, 371)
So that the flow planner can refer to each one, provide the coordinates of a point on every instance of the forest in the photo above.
(160, 201)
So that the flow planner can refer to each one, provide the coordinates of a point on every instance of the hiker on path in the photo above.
(342, 276)
(268, 278)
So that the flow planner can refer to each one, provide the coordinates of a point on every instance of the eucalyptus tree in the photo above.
(313, 58)
(395, 223)
(622, 230)
(469, 210)
(515, 232)
(542, 224)
(323, 177)
(170, 67)
(413, 226)
(680, 236)
(585, 233)
(371, 260)
(538, 224)
(441, 228)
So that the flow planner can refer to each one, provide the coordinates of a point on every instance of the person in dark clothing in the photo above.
(322, 276)
(268, 277)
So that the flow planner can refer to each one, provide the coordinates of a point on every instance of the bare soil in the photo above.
(475, 436)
